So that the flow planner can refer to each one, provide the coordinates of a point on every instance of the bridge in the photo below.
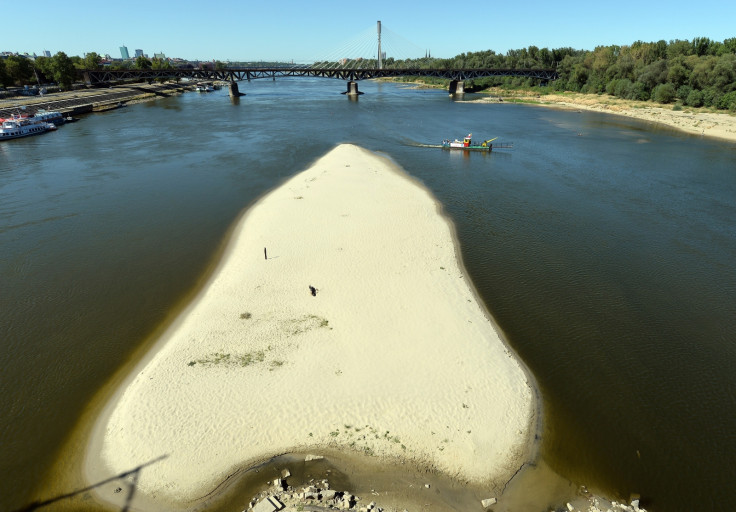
(352, 75)
(369, 65)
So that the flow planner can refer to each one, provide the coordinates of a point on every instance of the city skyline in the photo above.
(237, 32)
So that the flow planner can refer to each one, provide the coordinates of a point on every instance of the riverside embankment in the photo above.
(90, 100)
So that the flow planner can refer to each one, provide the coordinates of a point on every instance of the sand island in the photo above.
(340, 317)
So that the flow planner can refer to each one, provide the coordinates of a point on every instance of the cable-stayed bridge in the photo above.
(362, 58)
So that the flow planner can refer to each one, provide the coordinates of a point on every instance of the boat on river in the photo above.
(48, 116)
(467, 144)
(17, 127)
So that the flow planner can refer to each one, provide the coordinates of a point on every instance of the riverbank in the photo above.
(83, 101)
(690, 120)
(328, 324)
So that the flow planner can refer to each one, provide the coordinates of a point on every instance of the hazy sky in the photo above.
(312, 30)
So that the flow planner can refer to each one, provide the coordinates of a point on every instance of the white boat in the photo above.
(46, 116)
(17, 127)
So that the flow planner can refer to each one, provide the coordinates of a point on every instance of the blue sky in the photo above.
(306, 31)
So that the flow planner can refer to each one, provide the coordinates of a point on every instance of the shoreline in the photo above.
(693, 121)
(391, 437)
(85, 101)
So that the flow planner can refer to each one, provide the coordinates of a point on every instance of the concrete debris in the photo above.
(317, 496)
(270, 504)
(313, 457)
(601, 505)
(488, 502)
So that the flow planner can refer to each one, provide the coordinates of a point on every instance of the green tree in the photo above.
(160, 64)
(695, 98)
(678, 74)
(653, 74)
(63, 70)
(43, 66)
(91, 61)
(42, 69)
(624, 88)
(711, 96)
(4, 77)
(730, 45)
(679, 47)
(683, 92)
(723, 76)
(142, 63)
(19, 70)
(702, 46)
(664, 93)
(639, 92)
(727, 101)
(700, 78)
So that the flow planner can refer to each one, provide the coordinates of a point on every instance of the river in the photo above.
(604, 247)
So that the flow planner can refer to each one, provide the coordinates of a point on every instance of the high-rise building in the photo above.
(138, 53)
(46, 53)
(124, 52)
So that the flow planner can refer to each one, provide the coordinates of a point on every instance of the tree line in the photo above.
(62, 69)
(698, 73)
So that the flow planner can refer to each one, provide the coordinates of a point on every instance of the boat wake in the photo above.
(420, 145)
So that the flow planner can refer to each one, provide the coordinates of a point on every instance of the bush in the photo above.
(711, 97)
(664, 93)
(611, 87)
(639, 92)
(683, 92)
(694, 98)
(727, 101)
(624, 88)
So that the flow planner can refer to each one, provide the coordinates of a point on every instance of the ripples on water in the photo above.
(603, 248)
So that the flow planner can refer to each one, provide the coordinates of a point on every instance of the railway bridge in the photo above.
(352, 75)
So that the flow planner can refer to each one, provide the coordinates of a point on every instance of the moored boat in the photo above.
(47, 116)
(17, 127)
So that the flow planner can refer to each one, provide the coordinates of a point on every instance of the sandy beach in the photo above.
(339, 318)
(720, 125)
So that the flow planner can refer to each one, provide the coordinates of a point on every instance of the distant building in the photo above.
(159, 56)
(46, 53)
(138, 53)
(124, 52)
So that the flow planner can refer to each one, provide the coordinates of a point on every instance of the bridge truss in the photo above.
(102, 77)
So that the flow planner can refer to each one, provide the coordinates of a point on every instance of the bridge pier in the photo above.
(352, 89)
(234, 91)
(457, 87)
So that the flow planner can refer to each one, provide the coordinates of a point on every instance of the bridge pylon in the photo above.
(352, 89)
(380, 59)
(457, 87)
(234, 91)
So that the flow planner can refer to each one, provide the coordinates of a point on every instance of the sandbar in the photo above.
(695, 121)
(340, 317)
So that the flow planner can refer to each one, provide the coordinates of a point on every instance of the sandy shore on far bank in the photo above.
(695, 121)
(392, 357)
